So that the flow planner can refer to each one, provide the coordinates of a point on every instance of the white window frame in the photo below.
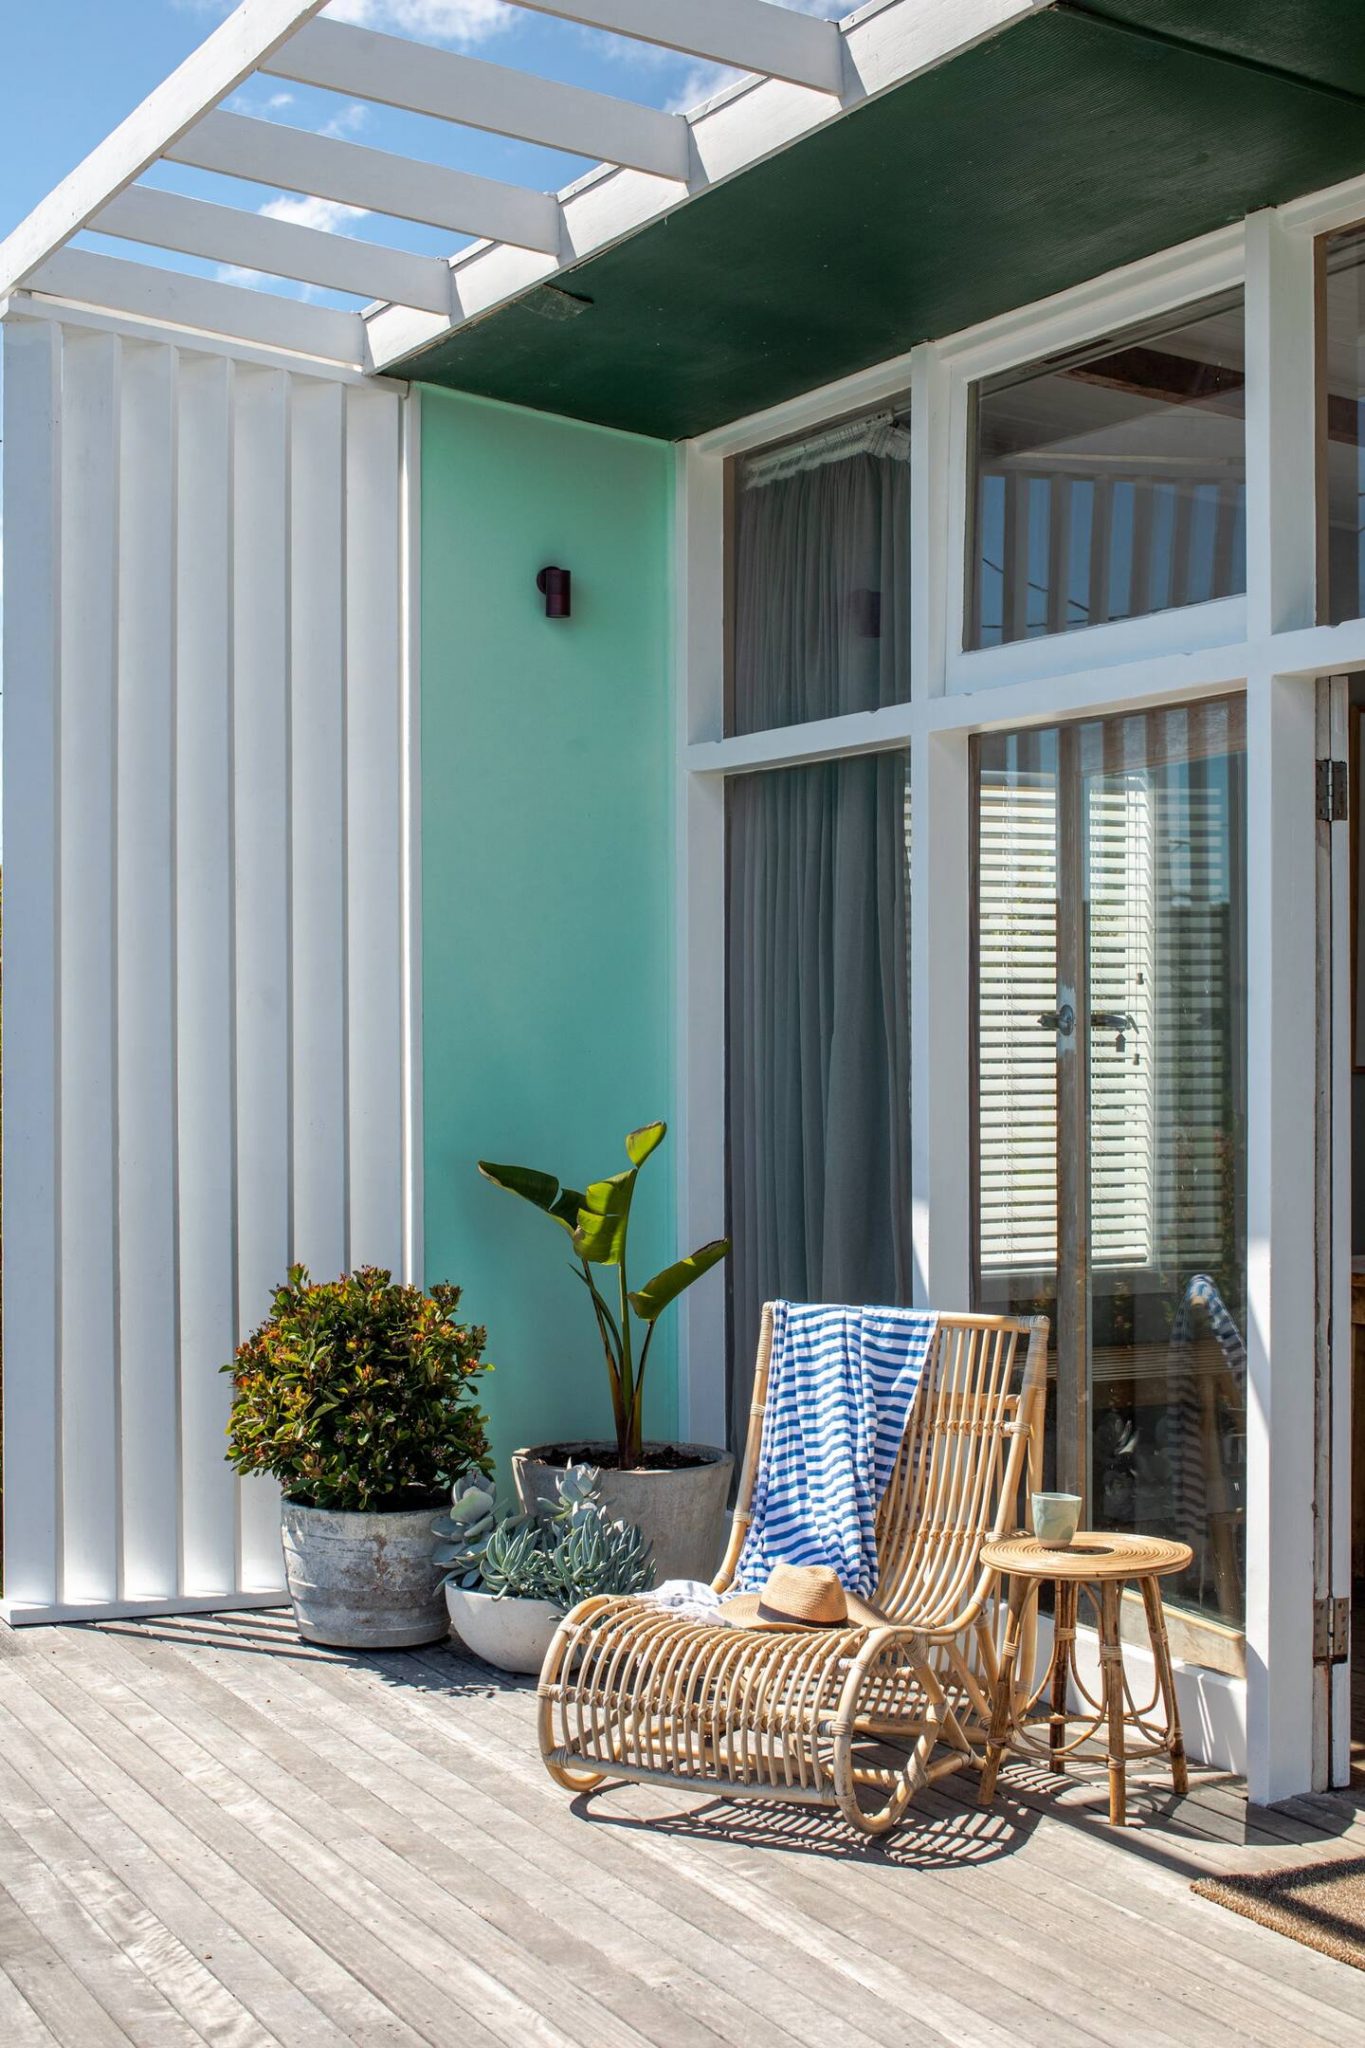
(1266, 644)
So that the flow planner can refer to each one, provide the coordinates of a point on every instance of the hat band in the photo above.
(768, 1613)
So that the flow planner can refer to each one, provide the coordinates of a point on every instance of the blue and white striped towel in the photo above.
(839, 1391)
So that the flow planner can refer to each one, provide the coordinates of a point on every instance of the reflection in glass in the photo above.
(1141, 1212)
(1110, 483)
(820, 605)
(1342, 455)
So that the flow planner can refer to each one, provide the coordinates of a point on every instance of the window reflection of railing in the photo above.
(1206, 1448)
(1061, 550)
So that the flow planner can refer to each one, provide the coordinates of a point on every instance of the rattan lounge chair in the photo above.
(852, 1718)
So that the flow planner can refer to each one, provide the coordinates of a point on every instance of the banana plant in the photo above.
(597, 1220)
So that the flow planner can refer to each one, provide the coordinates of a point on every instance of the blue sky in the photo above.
(71, 69)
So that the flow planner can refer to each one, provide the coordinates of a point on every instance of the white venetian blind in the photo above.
(1123, 1056)
(1194, 1017)
(1017, 1085)
(1017, 982)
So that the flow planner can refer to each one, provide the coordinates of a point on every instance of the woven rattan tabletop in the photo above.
(1091, 1554)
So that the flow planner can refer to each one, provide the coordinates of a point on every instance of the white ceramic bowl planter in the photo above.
(513, 1634)
(363, 1581)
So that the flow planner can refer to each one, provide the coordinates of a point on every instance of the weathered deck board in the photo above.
(211, 1833)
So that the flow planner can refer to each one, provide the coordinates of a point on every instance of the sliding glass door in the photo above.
(1110, 1108)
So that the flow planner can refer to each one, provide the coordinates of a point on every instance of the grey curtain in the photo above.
(819, 1043)
(818, 1074)
(822, 554)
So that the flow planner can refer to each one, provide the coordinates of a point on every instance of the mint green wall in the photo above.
(546, 878)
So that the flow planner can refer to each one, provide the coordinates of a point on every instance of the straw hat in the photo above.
(801, 1596)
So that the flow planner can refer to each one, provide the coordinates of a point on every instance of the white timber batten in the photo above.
(749, 34)
(268, 153)
(221, 63)
(754, 119)
(806, 71)
(201, 303)
(399, 73)
(206, 686)
(254, 242)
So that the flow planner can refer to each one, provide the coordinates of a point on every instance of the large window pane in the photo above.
(818, 1042)
(1110, 483)
(1111, 1194)
(821, 567)
(1342, 456)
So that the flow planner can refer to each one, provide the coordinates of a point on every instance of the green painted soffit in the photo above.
(1076, 141)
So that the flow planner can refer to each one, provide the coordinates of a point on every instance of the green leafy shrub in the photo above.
(567, 1553)
(359, 1395)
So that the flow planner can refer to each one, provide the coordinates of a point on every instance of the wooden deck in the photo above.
(211, 1833)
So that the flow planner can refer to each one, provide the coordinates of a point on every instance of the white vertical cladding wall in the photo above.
(205, 727)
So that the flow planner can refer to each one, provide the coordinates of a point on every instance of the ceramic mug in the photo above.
(1055, 1518)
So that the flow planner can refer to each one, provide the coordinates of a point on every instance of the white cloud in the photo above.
(349, 121)
(279, 99)
(303, 211)
(701, 83)
(445, 21)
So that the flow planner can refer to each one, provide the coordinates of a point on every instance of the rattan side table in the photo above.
(1095, 1565)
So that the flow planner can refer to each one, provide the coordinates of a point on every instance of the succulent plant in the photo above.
(569, 1551)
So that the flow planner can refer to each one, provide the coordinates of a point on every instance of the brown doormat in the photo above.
(1321, 1904)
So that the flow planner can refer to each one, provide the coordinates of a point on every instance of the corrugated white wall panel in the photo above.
(260, 761)
(88, 1011)
(374, 908)
(318, 879)
(203, 1008)
(32, 486)
(205, 1139)
(145, 953)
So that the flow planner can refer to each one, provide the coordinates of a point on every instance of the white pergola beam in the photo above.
(365, 65)
(252, 241)
(269, 153)
(217, 67)
(169, 296)
(749, 34)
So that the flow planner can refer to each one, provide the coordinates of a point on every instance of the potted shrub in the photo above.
(510, 1579)
(358, 1396)
(675, 1493)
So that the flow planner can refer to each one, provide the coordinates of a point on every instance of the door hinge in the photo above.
(1333, 792)
(1332, 1630)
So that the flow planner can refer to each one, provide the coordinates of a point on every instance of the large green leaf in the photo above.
(650, 1301)
(603, 1219)
(639, 1144)
(542, 1190)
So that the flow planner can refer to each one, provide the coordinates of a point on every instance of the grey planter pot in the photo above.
(682, 1513)
(363, 1582)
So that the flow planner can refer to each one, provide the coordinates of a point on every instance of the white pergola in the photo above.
(804, 71)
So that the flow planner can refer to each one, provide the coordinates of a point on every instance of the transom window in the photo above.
(820, 565)
(1110, 483)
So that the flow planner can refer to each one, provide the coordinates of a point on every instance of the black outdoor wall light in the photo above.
(554, 586)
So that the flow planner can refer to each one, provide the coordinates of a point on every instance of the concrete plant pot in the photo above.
(680, 1508)
(513, 1634)
(363, 1581)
